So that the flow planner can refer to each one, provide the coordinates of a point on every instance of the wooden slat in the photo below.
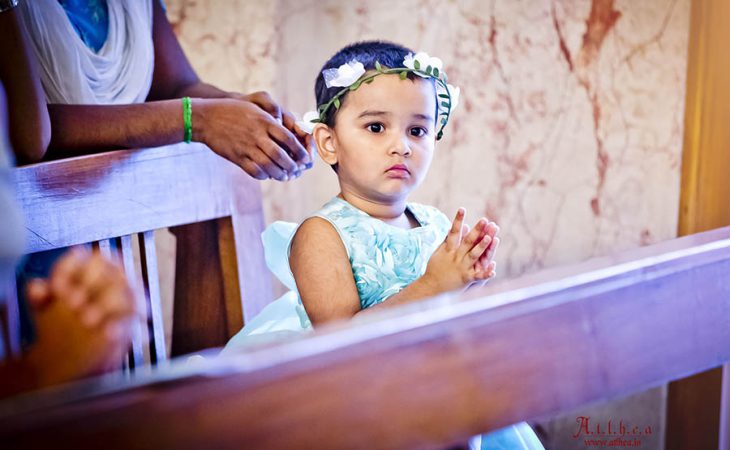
(137, 190)
(255, 292)
(106, 247)
(139, 336)
(428, 374)
(693, 405)
(150, 278)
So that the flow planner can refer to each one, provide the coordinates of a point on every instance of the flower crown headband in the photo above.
(349, 76)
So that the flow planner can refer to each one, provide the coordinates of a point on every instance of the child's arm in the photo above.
(323, 274)
(322, 271)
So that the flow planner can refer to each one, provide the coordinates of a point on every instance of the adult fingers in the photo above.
(271, 169)
(96, 272)
(290, 122)
(113, 303)
(295, 151)
(264, 101)
(38, 292)
(453, 238)
(66, 273)
(253, 169)
(275, 148)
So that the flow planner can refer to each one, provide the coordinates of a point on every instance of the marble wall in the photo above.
(569, 131)
(570, 128)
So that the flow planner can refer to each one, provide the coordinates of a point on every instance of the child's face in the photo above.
(383, 139)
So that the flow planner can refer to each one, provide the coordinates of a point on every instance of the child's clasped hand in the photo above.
(465, 258)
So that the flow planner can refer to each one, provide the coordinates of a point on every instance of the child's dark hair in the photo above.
(388, 54)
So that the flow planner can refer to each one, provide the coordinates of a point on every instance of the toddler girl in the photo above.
(380, 111)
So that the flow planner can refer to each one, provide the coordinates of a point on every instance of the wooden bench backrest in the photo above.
(429, 374)
(212, 206)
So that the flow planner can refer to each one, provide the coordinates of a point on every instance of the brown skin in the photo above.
(84, 315)
(252, 131)
(30, 128)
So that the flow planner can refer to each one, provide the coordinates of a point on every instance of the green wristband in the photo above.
(187, 119)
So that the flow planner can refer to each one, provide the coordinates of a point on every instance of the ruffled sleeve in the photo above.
(277, 238)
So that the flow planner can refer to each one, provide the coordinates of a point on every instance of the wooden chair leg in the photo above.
(207, 309)
(693, 411)
(725, 409)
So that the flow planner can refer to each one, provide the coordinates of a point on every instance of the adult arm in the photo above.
(247, 130)
(30, 127)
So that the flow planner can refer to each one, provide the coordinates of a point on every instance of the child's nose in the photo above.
(401, 146)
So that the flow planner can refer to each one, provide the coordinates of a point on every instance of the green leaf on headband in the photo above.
(355, 85)
(428, 70)
(444, 96)
(444, 120)
(378, 67)
(369, 80)
(440, 135)
(337, 103)
(416, 65)
(446, 104)
(436, 72)
(403, 75)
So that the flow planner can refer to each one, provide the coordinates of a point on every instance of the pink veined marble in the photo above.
(570, 129)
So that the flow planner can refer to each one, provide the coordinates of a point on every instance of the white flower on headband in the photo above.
(455, 92)
(344, 75)
(421, 61)
(306, 123)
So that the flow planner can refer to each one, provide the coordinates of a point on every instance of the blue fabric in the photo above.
(90, 19)
(384, 260)
(35, 265)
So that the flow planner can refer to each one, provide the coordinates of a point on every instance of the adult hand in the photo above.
(253, 132)
(84, 315)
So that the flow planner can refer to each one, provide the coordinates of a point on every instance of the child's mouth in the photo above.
(399, 170)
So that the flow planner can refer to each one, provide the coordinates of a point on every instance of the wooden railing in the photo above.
(426, 375)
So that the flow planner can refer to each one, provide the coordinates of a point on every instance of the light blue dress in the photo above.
(384, 260)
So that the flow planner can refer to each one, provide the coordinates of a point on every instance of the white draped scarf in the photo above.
(72, 73)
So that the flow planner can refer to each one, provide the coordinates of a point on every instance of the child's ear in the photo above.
(326, 146)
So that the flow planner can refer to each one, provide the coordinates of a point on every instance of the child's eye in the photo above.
(418, 131)
(376, 127)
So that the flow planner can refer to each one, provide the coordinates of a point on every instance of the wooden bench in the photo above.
(115, 198)
(426, 375)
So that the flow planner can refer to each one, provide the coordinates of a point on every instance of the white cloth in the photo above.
(72, 73)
